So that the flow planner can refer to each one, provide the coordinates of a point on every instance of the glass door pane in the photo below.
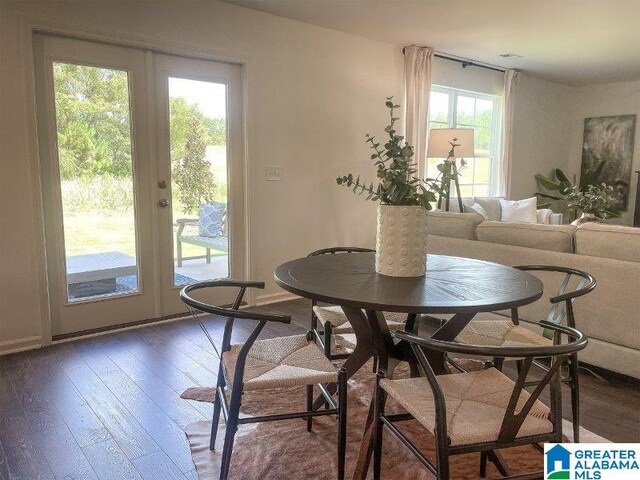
(198, 151)
(94, 142)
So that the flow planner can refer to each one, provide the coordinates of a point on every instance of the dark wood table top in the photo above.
(451, 285)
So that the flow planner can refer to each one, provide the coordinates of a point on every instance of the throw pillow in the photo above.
(476, 208)
(491, 205)
(210, 221)
(544, 215)
(453, 203)
(519, 210)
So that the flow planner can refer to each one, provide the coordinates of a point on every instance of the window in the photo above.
(453, 108)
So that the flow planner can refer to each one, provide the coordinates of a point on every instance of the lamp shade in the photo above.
(439, 145)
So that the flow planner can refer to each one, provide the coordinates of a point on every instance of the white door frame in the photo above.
(72, 316)
(166, 66)
(29, 28)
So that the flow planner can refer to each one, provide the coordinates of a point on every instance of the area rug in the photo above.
(284, 449)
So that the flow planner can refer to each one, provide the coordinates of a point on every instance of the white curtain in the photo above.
(511, 78)
(417, 81)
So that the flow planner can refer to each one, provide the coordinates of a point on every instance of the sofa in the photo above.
(493, 209)
(609, 316)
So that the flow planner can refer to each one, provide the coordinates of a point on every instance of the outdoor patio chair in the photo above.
(212, 230)
(480, 411)
(280, 362)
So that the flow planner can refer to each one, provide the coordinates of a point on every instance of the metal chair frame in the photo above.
(511, 422)
(323, 339)
(231, 410)
(561, 309)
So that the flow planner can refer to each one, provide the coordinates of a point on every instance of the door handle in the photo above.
(163, 203)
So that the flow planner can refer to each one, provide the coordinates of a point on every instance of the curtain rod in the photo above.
(466, 63)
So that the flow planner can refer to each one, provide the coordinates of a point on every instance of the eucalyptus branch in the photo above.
(395, 169)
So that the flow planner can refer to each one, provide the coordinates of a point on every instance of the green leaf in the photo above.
(561, 176)
(565, 188)
(550, 197)
(546, 182)
(612, 213)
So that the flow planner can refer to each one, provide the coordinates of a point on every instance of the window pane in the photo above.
(481, 190)
(470, 111)
(481, 173)
(482, 141)
(465, 192)
(484, 112)
(432, 167)
(465, 173)
(93, 123)
(439, 107)
(198, 135)
(465, 110)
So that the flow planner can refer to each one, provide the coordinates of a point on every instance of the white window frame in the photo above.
(494, 146)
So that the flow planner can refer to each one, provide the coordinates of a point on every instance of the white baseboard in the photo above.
(275, 298)
(20, 345)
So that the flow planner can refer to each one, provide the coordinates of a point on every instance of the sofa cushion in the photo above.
(492, 206)
(449, 224)
(609, 316)
(608, 241)
(557, 238)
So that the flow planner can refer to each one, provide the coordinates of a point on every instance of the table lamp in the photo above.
(450, 143)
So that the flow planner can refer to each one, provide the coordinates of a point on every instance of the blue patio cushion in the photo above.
(210, 220)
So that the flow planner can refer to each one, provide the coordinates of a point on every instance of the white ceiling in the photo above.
(576, 42)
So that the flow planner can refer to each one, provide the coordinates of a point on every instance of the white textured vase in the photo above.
(401, 241)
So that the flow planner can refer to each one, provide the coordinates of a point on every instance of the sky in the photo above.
(210, 97)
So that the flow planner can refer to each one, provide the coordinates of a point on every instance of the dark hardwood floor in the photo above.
(109, 407)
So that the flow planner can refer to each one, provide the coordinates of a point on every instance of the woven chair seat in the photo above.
(501, 332)
(340, 322)
(476, 403)
(280, 362)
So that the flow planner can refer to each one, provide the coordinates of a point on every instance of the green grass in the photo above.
(99, 215)
(95, 232)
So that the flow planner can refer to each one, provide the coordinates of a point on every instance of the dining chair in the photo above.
(332, 318)
(265, 364)
(497, 330)
(480, 411)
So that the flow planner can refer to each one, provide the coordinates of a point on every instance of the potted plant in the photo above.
(593, 203)
(401, 240)
(563, 186)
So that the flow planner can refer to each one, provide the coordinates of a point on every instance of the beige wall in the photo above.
(311, 94)
(542, 131)
(600, 101)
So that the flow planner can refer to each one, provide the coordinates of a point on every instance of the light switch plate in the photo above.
(274, 173)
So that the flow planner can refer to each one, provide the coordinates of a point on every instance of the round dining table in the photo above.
(452, 285)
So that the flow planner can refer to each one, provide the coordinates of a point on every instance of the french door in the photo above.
(142, 180)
